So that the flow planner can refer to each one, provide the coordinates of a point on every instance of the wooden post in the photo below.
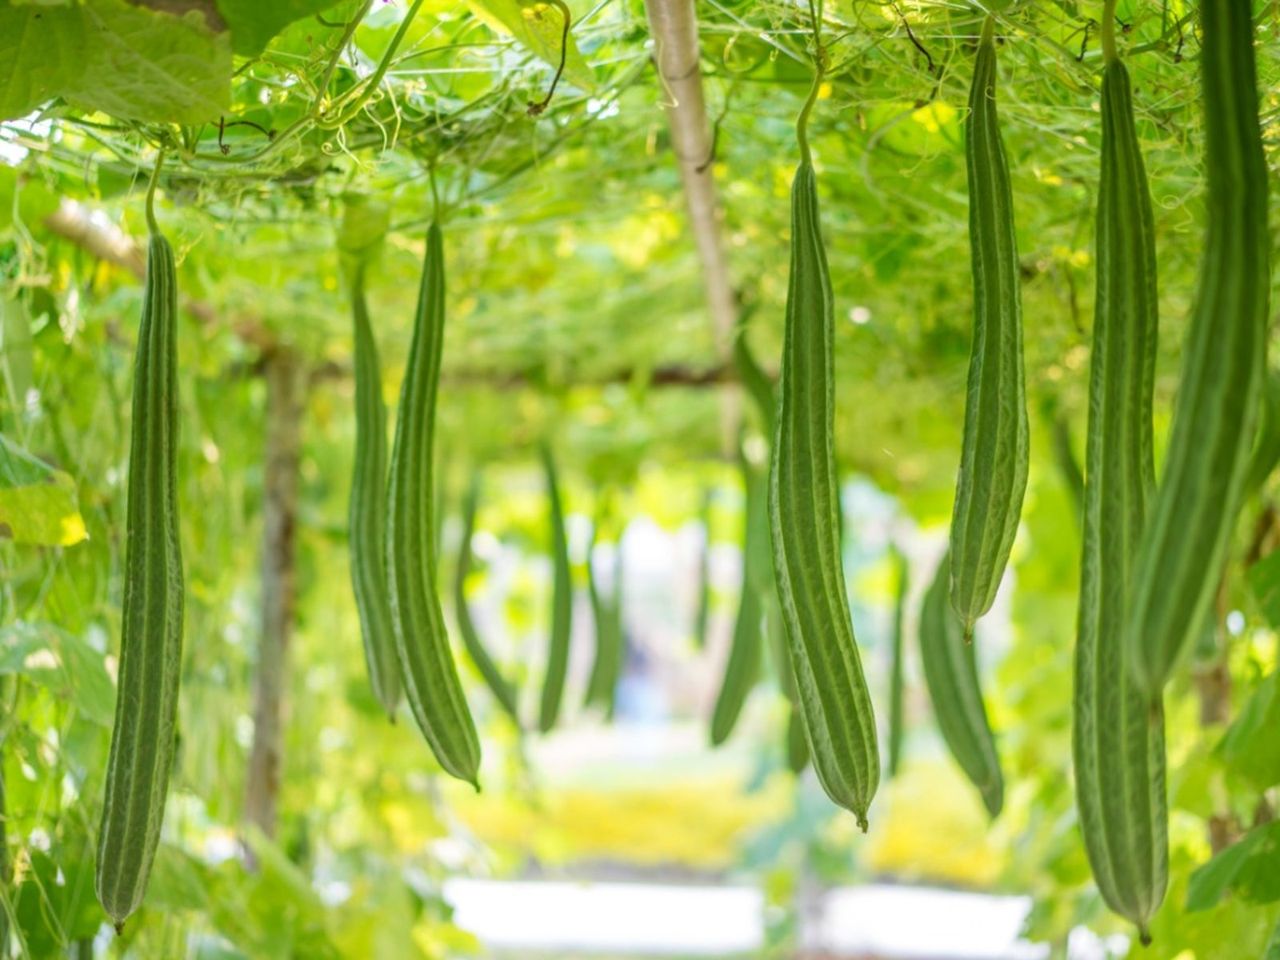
(674, 26)
(285, 379)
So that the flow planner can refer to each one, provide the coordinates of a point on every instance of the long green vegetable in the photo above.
(1117, 739)
(759, 388)
(795, 743)
(993, 459)
(606, 669)
(702, 615)
(144, 735)
(755, 381)
(6, 873)
(503, 691)
(1266, 449)
(951, 675)
(1223, 368)
(838, 714)
(367, 513)
(896, 711)
(561, 601)
(742, 669)
(427, 669)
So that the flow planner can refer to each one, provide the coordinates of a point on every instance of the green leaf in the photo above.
(63, 663)
(1250, 746)
(37, 503)
(1264, 581)
(254, 23)
(129, 61)
(1246, 869)
(55, 900)
(39, 49)
(539, 27)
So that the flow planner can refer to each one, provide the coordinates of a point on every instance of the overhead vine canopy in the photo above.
(571, 263)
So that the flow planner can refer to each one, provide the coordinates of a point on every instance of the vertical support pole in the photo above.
(285, 393)
(674, 26)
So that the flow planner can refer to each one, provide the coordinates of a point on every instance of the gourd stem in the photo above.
(151, 193)
(348, 110)
(820, 67)
(1107, 34)
(435, 193)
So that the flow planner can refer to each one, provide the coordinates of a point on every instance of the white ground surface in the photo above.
(631, 919)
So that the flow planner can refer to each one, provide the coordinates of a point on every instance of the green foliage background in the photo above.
(572, 284)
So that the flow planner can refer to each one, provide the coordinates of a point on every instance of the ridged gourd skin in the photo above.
(1191, 521)
(1117, 736)
(367, 512)
(742, 669)
(951, 676)
(994, 452)
(145, 731)
(427, 669)
(803, 489)
(503, 691)
(561, 601)
(897, 719)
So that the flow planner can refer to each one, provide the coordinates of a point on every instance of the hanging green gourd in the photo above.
(896, 681)
(427, 669)
(994, 452)
(606, 669)
(1184, 543)
(367, 511)
(144, 734)
(742, 668)
(503, 691)
(951, 676)
(803, 514)
(561, 600)
(1117, 735)
(702, 615)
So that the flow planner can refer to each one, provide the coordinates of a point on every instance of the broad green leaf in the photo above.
(130, 61)
(178, 881)
(37, 503)
(1264, 581)
(540, 28)
(62, 662)
(254, 23)
(1251, 747)
(55, 900)
(40, 50)
(150, 65)
(1210, 883)
(1247, 869)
